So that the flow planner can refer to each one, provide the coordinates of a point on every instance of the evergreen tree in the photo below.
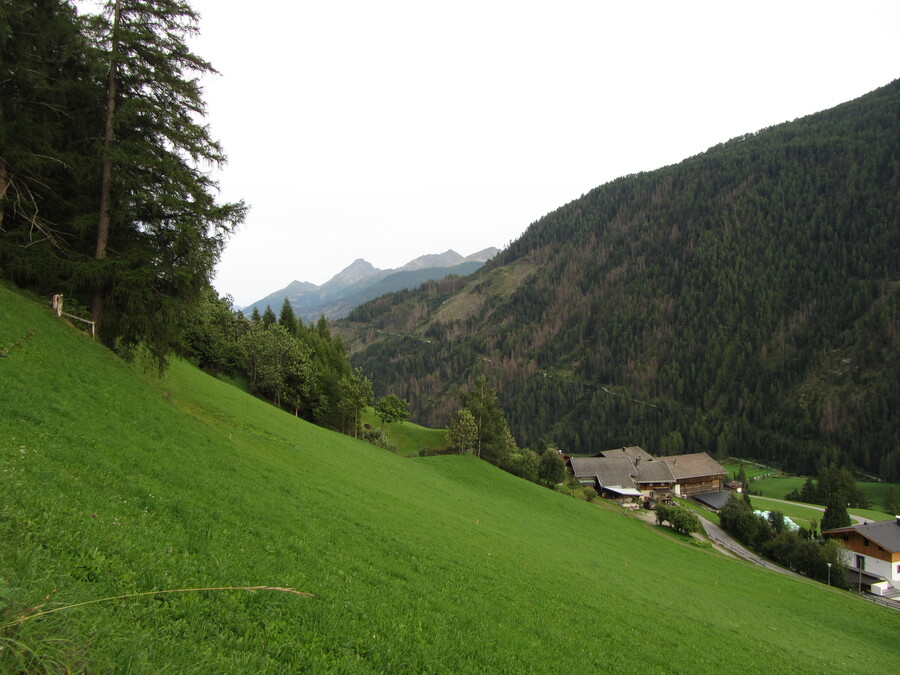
(268, 317)
(50, 112)
(835, 513)
(742, 479)
(892, 501)
(160, 230)
(287, 318)
(810, 492)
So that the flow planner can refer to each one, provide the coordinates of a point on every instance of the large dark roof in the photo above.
(634, 452)
(584, 467)
(654, 472)
(693, 466)
(615, 472)
(715, 500)
(885, 533)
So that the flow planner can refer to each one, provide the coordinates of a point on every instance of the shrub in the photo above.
(679, 518)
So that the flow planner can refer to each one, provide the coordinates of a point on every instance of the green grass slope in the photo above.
(407, 438)
(115, 483)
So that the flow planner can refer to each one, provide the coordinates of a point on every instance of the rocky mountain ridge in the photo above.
(361, 281)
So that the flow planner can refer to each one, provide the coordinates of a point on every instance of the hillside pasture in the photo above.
(408, 439)
(116, 483)
(777, 487)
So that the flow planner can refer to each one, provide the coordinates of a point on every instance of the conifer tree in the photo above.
(287, 318)
(160, 230)
(268, 317)
(50, 108)
(835, 513)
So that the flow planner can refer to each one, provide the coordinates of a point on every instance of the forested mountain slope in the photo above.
(744, 301)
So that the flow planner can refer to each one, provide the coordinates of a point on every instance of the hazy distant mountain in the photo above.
(361, 281)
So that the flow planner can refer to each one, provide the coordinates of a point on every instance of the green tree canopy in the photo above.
(835, 513)
(105, 189)
(391, 408)
(493, 440)
(463, 432)
(287, 318)
(551, 470)
(160, 229)
(268, 317)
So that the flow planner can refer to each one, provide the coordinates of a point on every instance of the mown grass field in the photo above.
(408, 439)
(777, 487)
(752, 469)
(113, 482)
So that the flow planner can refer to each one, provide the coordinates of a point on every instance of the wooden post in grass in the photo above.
(56, 303)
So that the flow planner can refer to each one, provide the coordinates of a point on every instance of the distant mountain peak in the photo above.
(330, 298)
(446, 259)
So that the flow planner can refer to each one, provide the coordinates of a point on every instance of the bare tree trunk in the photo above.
(105, 180)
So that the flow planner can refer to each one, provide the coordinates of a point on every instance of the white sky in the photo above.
(386, 130)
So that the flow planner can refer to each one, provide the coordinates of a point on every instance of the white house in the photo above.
(872, 552)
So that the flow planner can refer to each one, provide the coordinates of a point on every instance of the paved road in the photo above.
(721, 538)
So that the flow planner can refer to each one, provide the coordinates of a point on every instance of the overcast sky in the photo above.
(386, 130)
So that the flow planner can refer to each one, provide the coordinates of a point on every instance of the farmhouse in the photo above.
(696, 473)
(632, 475)
(627, 478)
(872, 554)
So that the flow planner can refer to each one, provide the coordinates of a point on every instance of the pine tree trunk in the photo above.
(106, 176)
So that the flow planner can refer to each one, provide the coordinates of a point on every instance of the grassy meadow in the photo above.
(777, 487)
(115, 483)
(406, 438)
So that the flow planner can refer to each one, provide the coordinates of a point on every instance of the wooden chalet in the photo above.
(696, 473)
(872, 554)
(624, 480)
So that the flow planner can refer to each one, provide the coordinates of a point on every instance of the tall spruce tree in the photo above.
(160, 229)
(50, 109)
(287, 318)
(835, 513)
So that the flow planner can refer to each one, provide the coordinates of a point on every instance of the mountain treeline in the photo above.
(743, 302)
(105, 188)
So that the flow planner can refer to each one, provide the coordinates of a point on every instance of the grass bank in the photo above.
(115, 483)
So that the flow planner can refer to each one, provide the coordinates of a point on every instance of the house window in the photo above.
(860, 562)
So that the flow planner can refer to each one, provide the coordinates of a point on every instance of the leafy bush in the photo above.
(679, 518)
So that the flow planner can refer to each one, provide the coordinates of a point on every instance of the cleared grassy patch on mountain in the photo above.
(117, 483)
(407, 438)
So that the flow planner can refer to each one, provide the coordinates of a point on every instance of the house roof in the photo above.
(654, 472)
(694, 465)
(615, 472)
(584, 467)
(715, 500)
(885, 533)
(633, 452)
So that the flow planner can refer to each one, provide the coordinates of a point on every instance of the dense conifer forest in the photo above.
(744, 302)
